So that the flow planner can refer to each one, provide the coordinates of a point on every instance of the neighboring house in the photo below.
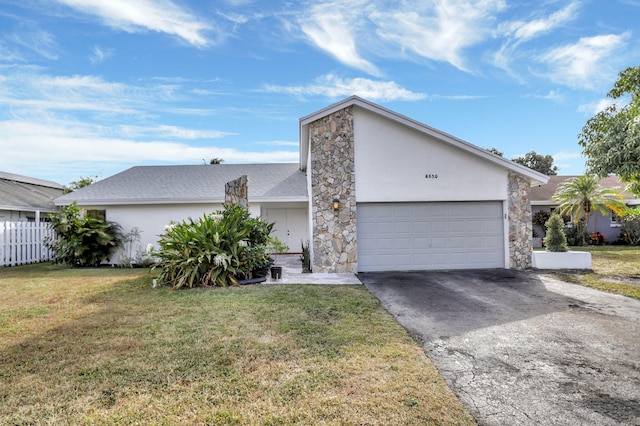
(26, 199)
(608, 226)
(374, 190)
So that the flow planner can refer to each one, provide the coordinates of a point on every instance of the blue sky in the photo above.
(92, 87)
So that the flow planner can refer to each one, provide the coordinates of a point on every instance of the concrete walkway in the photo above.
(292, 273)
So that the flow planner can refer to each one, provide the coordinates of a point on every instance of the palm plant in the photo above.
(582, 195)
(216, 249)
(82, 240)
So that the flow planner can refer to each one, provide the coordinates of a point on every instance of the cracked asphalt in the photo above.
(521, 348)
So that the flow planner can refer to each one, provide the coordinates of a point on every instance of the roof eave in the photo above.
(28, 209)
(536, 177)
(156, 201)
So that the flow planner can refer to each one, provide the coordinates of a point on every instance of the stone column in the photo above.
(520, 225)
(237, 192)
(332, 177)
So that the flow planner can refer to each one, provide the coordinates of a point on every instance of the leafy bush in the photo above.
(631, 225)
(541, 217)
(82, 240)
(555, 240)
(216, 250)
(575, 237)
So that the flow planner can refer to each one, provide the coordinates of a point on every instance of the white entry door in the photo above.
(430, 236)
(290, 226)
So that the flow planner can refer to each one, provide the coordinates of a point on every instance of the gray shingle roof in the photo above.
(27, 194)
(192, 184)
(542, 194)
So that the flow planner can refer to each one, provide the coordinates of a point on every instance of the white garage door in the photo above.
(419, 236)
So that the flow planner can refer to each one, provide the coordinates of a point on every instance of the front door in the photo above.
(290, 226)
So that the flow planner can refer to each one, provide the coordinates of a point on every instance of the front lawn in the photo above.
(616, 269)
(100, 346)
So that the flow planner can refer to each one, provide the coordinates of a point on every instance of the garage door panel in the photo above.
(421, 243)
(414, 236)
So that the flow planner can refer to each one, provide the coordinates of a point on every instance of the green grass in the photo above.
(616, 269)
(101, 347)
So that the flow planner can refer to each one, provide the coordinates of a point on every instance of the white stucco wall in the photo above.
(392, 163)
(151, 219)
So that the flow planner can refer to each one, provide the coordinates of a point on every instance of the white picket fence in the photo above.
(23, 242)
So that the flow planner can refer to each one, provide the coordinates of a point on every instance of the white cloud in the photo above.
(100, 55)
(526, 30)
(334, 33)
(585, 64)
(438, 30)
(551, 96)
(569, 163)
(519, 32)
(27, 89)
(142, 15)
(595, 107)
(333, 86)
(76, 149)
(168, 132)
(32, 39)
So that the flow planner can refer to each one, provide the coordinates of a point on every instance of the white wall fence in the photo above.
(23, 242)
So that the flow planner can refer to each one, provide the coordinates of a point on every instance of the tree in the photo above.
(496, 151)
(538, 162)
(216, 160)
(580, 196)
(555, 241)
(611, 139)
(74, 185)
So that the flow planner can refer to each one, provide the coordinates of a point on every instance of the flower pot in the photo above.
(276, 272)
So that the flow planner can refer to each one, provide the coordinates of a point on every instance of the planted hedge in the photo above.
(218, 249)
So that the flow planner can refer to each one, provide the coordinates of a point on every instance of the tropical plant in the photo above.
(218, 249)
(555, 240)
(305, 258)
(630, 221)
(580, 196)
(82, 240)
(276, 246)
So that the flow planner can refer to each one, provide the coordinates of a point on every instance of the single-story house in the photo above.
(26, 199)
(607, 225)
(374, 190)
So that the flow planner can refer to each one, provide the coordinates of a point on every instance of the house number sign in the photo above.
(431, 176)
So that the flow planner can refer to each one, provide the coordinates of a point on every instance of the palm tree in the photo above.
(581, 195)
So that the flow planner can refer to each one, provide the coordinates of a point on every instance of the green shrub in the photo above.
(82, 240)
(631, 225)
(555, 240)
(216, 250)
(575, 237)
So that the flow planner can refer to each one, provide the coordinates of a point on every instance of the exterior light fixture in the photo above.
(336, 204)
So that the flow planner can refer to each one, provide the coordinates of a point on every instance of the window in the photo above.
(615, 220)
(97, 214)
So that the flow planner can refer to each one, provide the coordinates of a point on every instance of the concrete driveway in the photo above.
(523, 348)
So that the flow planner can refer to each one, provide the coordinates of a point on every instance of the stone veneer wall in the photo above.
(520, 226)
(332, 176)
(237, 192)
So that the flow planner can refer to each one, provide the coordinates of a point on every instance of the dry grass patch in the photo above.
(101, 347)
(616, 269)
